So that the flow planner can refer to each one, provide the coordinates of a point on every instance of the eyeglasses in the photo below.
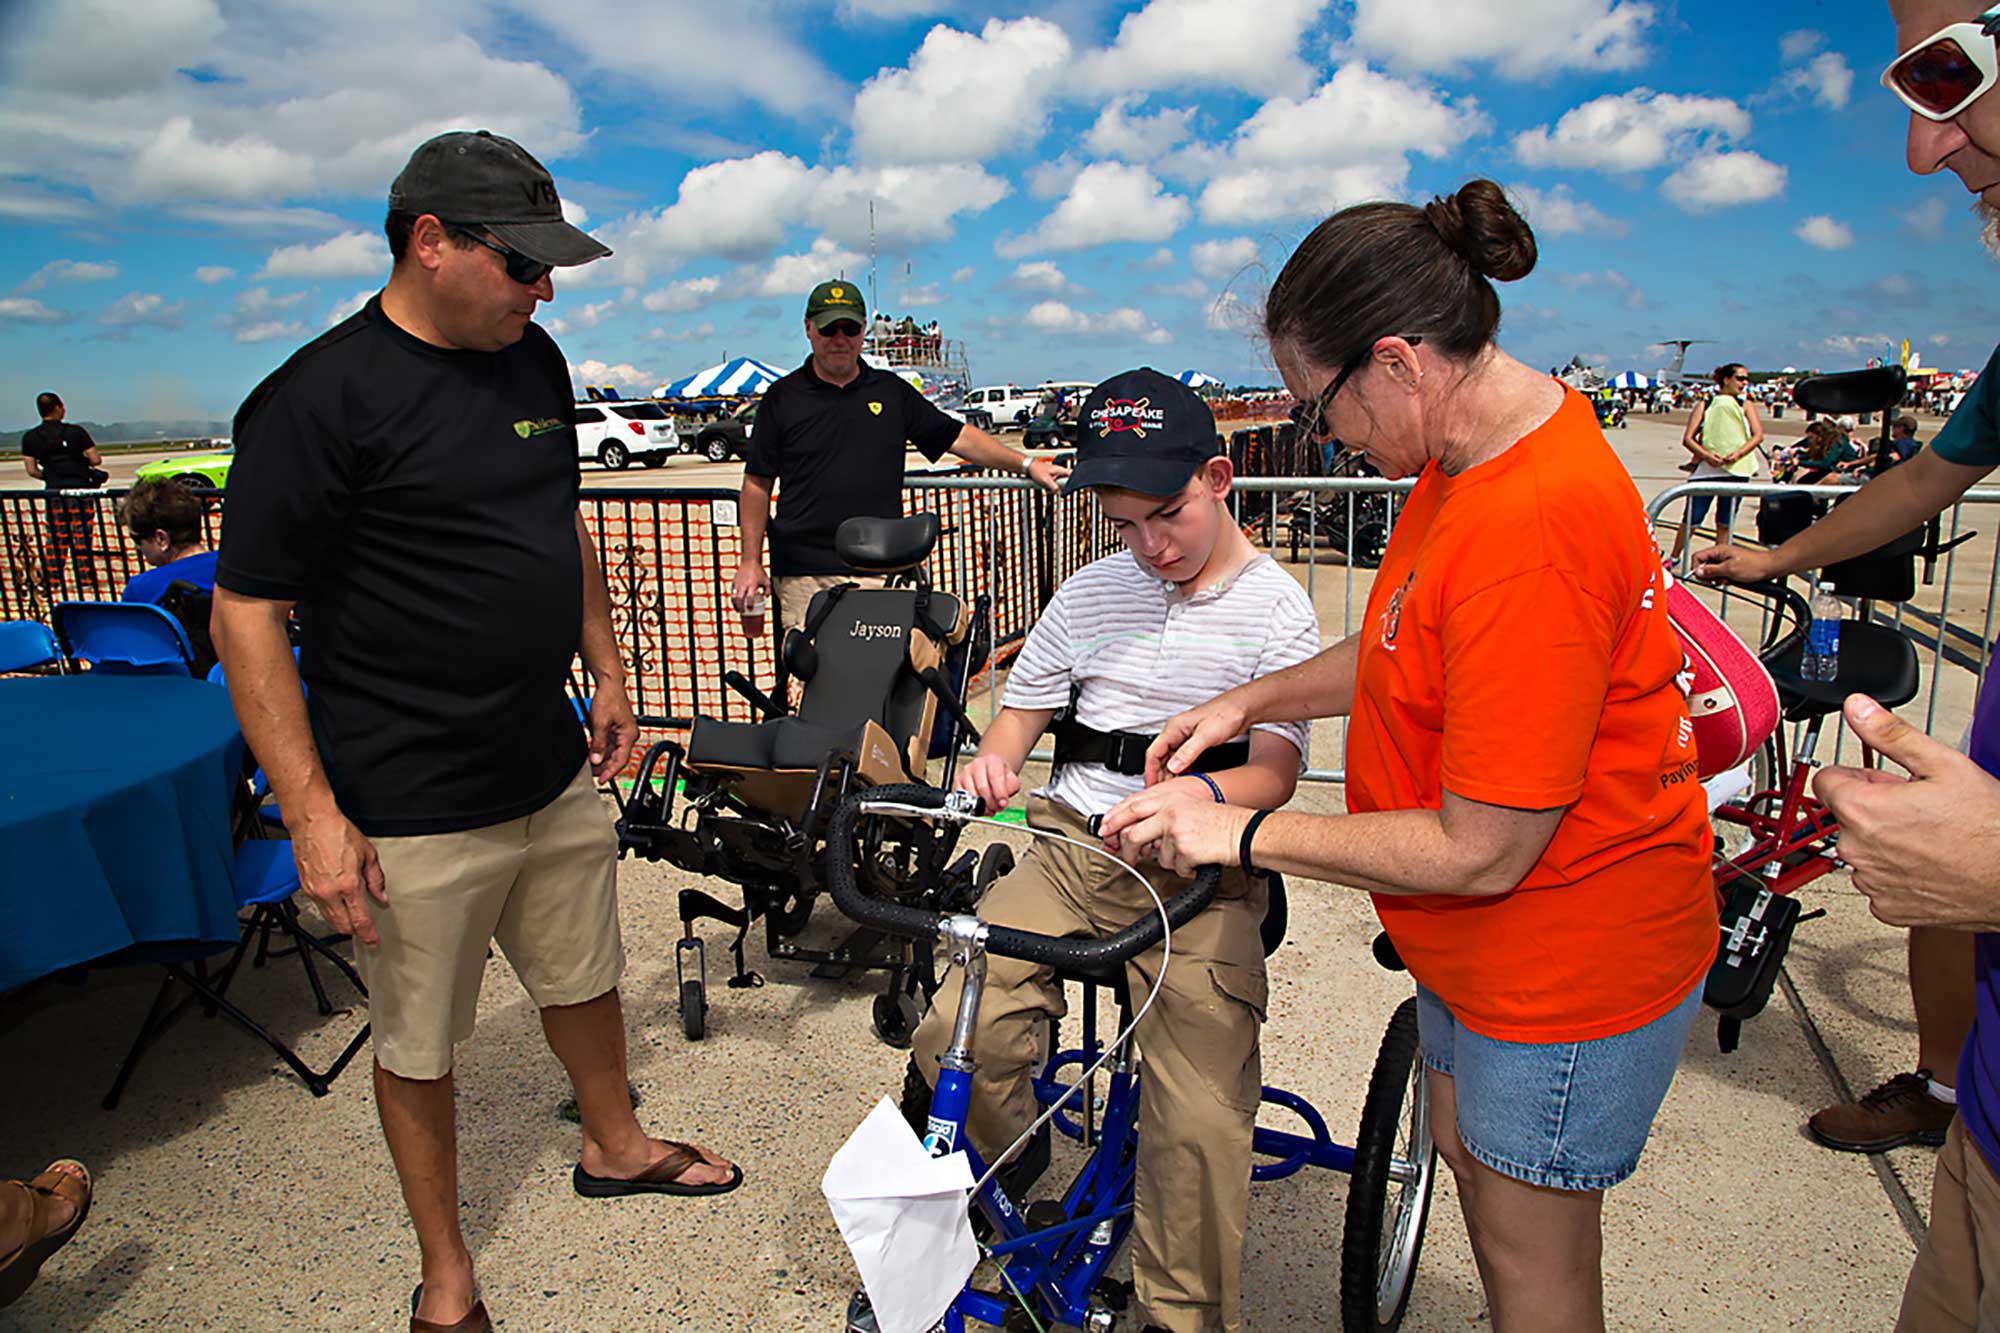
(1949, 70)
(520, 268)
(1312, 421)
(841, 328)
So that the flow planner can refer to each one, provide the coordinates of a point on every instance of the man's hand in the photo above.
(989, 778)
(613, 730)
(1047, 473)
(1187, 735)
(1734, 564)
(339, 871)
(1926, 848)
(751, 580)
(1176, 828)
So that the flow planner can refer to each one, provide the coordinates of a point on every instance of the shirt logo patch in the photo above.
(876, 408)
(1125, 414)
(1392, 615)
(538, 426)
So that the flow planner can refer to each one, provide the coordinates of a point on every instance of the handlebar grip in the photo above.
(1005, 941)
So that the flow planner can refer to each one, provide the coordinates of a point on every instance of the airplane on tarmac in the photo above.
(1674, 374)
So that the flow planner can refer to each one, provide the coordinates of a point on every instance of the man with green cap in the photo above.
(836, 431)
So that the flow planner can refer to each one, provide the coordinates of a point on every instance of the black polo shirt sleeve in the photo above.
(291, 489)
(932, 430)
(80, 439)
(764, 455)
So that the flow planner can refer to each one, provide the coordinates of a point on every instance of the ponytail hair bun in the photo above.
(1485, 230)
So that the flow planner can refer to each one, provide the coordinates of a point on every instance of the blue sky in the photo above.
(192, 188)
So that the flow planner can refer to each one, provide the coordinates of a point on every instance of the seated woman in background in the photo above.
(164, 519)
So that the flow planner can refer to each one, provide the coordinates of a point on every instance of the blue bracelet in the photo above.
(1219, 800)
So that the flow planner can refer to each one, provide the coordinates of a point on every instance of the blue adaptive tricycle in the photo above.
(1050, 1259)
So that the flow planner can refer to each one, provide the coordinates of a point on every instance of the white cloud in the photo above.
(1110, 201)
(574, 213)
(180, 164)
(1927, 218)
(1856, 345)
(1189, 289)
(142, 309)
(1159, 259)
(678, 298)
(797, 274)
(1724, 180)
(1223, 260)
(697, 333)
(1181, 44)
(1631, 131)
(963, 274)
(916, 298)
(624, 375)
(1557, 212)
(590, 316)
(210, 274)
(1349, 141)
(1610, 280)
(1826, 79)
(1522, 39)
(28, 310)
(1041, 275)
(1052, 178)
(271, 330)
(1824, 233)
(23, 201)
(1141, 138)
(68, 270)
(347, 305)
(1231, 313)
(963, 98)
(1056, 317)
(1796, 46)
(352, 254)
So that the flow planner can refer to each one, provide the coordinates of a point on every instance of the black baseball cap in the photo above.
(834, 301)
(476, 176)
(1142, 431)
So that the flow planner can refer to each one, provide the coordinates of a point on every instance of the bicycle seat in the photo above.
(1852, 391)
(1875, 660)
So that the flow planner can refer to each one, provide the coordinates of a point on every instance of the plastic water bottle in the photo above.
(1822, 655)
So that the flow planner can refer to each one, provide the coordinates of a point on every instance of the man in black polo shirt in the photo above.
(409, 481)
(835, 431)
(64, 458)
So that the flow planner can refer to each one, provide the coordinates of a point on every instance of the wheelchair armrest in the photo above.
(763, 702)
(934, 681)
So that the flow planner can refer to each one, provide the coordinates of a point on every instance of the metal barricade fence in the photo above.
(1949, 620)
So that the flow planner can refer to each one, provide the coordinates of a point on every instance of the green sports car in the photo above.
(197, 470)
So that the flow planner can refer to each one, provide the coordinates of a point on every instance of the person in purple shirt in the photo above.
(165, 522)
(1926, 849)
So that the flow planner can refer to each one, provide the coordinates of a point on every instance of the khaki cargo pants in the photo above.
(1955, 1283)
(1202, 1073)
(796, 591)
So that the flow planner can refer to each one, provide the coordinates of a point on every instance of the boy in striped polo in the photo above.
(1190, 607)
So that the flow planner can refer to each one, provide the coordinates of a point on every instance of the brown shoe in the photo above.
(476, 1319)
(1900, 1111)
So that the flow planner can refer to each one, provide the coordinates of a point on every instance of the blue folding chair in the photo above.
(127, 638)
(26, 644)
(260, 784)
(265, 878)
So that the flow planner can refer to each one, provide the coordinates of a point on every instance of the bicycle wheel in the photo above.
(1732, 839)
(1389, 1198)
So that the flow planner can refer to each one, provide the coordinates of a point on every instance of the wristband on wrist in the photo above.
(1209, 782)
(1243, 848)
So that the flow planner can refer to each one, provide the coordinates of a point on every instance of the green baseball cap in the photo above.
(833, 301)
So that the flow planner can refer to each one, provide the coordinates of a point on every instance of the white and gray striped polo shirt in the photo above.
(1141, 652)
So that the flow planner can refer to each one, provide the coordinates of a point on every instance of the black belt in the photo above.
(1124, 752)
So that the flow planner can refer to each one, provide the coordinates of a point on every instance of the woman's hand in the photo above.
(1734, 564)
(1186, 736)
(989, 778)
(1180, 831)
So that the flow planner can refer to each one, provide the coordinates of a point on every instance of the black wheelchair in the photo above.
(884, 674)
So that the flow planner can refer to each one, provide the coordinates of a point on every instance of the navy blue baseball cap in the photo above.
(1142, 431)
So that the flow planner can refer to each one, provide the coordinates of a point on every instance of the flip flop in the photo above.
(476, 1319)
(20, 1268)
(660, 1178)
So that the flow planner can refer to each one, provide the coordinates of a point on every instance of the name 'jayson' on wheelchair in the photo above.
(884, 673)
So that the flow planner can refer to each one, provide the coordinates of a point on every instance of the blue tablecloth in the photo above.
(114, 820)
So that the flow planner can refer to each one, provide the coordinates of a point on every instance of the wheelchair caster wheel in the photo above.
(895, 1019)
(694, 1009)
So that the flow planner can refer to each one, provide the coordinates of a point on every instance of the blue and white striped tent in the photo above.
(740, 375)
(1194, 379)
(1631, 379)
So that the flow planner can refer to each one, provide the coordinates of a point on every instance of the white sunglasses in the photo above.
(1948, 70)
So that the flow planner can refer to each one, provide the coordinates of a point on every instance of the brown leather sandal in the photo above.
(476, 1319)
(19, 1269)
(663, 1177)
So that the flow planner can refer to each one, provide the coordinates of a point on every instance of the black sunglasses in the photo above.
(1312, 422)
(520, 268)
(841, 328)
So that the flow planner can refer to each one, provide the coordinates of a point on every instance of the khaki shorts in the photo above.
(543, 887)
(795, 594)
(1955, 1283)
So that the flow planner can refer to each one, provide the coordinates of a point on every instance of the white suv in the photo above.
(614, 433)
(1008, 404)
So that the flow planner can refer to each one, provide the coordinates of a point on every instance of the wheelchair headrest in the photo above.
(1852, 391)
(886, 545)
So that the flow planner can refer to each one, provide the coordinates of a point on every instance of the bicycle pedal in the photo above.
(1044, 1214)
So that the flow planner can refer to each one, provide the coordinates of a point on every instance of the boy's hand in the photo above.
(989, 778)
(1187, 735)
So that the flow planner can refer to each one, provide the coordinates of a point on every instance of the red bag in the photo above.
(1731, 697)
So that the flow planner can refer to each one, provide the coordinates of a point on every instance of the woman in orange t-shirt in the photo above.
(1521, 782)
